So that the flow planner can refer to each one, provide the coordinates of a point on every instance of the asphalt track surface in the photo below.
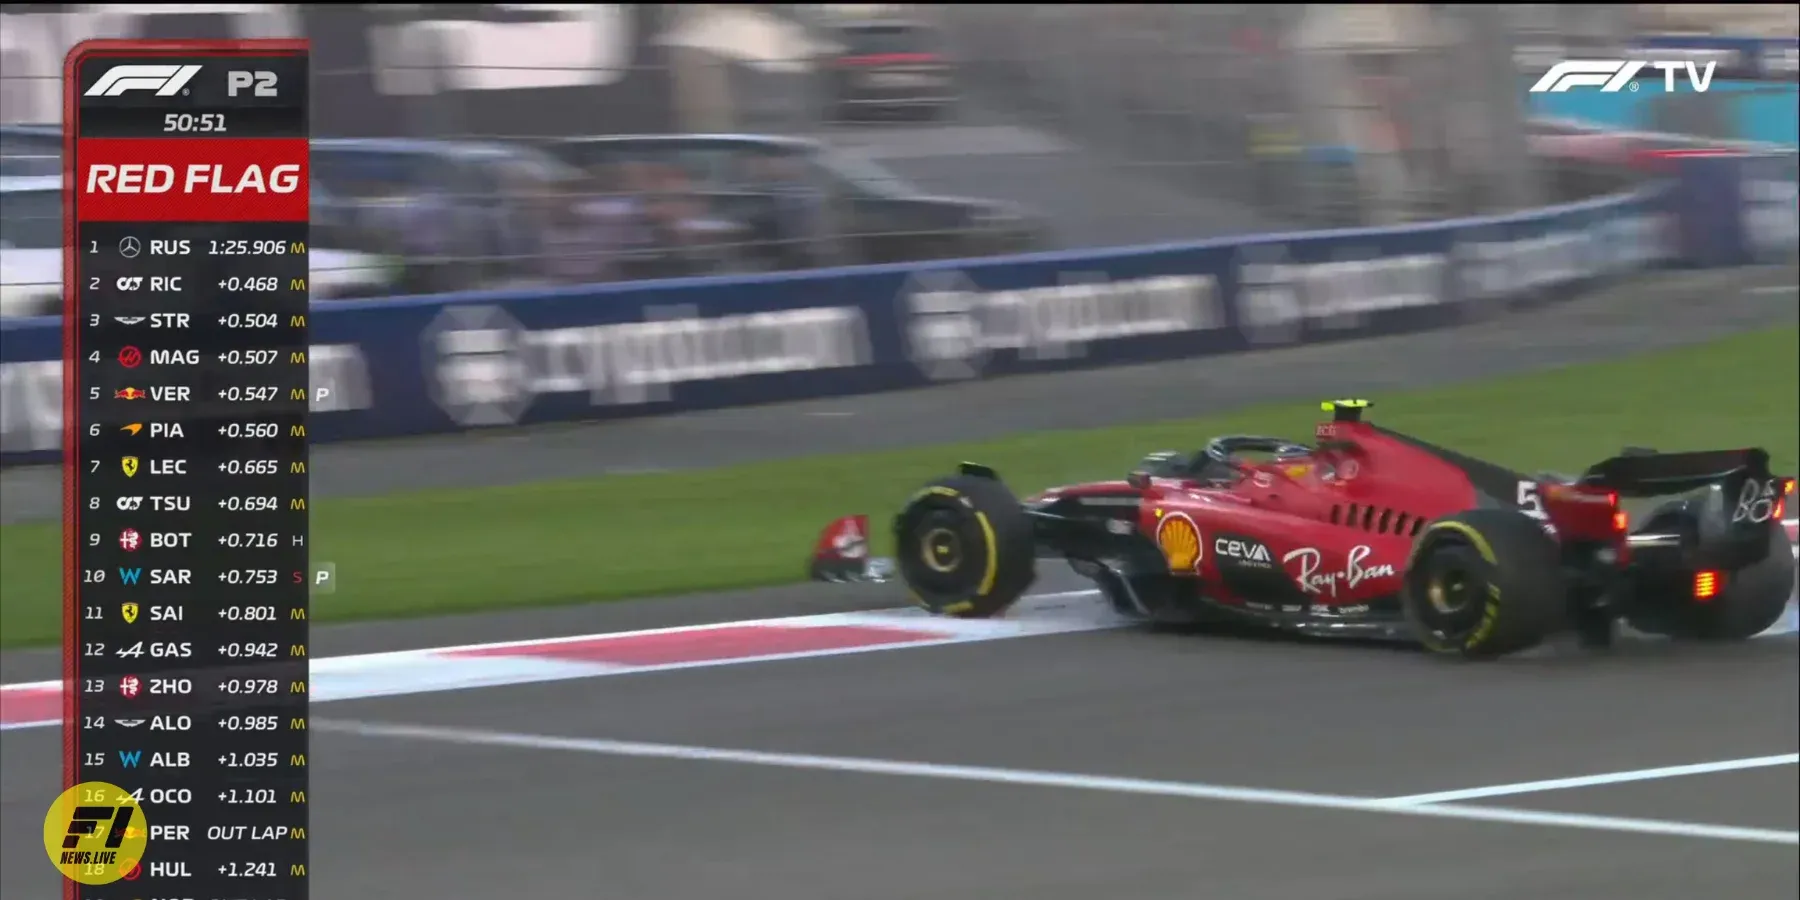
(512, 812)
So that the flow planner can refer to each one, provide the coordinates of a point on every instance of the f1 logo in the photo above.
(164, 80)
(1609, 75)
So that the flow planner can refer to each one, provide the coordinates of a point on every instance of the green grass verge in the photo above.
(632, 535)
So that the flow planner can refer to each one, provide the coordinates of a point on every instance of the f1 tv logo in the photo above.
(1614, 75)
(164, 80)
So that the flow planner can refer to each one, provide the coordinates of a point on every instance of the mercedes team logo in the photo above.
(129, 247)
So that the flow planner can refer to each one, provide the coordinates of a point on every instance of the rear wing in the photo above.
(1650, 474)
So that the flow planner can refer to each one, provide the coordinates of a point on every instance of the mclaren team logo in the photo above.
(129, 465)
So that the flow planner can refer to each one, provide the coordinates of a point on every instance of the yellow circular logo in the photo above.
(1180, 541)
(95, 833)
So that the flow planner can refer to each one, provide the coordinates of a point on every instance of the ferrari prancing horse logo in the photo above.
(130, 611)
(130, 466)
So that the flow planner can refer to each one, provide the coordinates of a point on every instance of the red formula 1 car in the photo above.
(1366, 533)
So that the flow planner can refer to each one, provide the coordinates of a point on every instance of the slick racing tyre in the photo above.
(1748, 601)
(1484, 583)
(964, 547)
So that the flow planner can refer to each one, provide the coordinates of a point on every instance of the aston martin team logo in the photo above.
(130, 465)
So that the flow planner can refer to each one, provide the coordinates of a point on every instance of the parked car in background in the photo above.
(30, 150)
(31, 254)
(789, 203)
(889, 67)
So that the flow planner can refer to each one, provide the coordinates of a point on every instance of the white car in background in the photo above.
(31, 251)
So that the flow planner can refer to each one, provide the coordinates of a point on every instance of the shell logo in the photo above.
(1179, 541)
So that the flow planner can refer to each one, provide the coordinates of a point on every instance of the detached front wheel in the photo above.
(964, 547)
(1484, 583)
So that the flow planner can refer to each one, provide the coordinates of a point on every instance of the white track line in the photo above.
(1584, 781)
(1065, 780)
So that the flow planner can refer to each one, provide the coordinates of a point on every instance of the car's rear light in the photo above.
(1706, 585)
(1621, 521)
(1787, 487)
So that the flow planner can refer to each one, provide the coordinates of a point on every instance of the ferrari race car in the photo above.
(1366, 533)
